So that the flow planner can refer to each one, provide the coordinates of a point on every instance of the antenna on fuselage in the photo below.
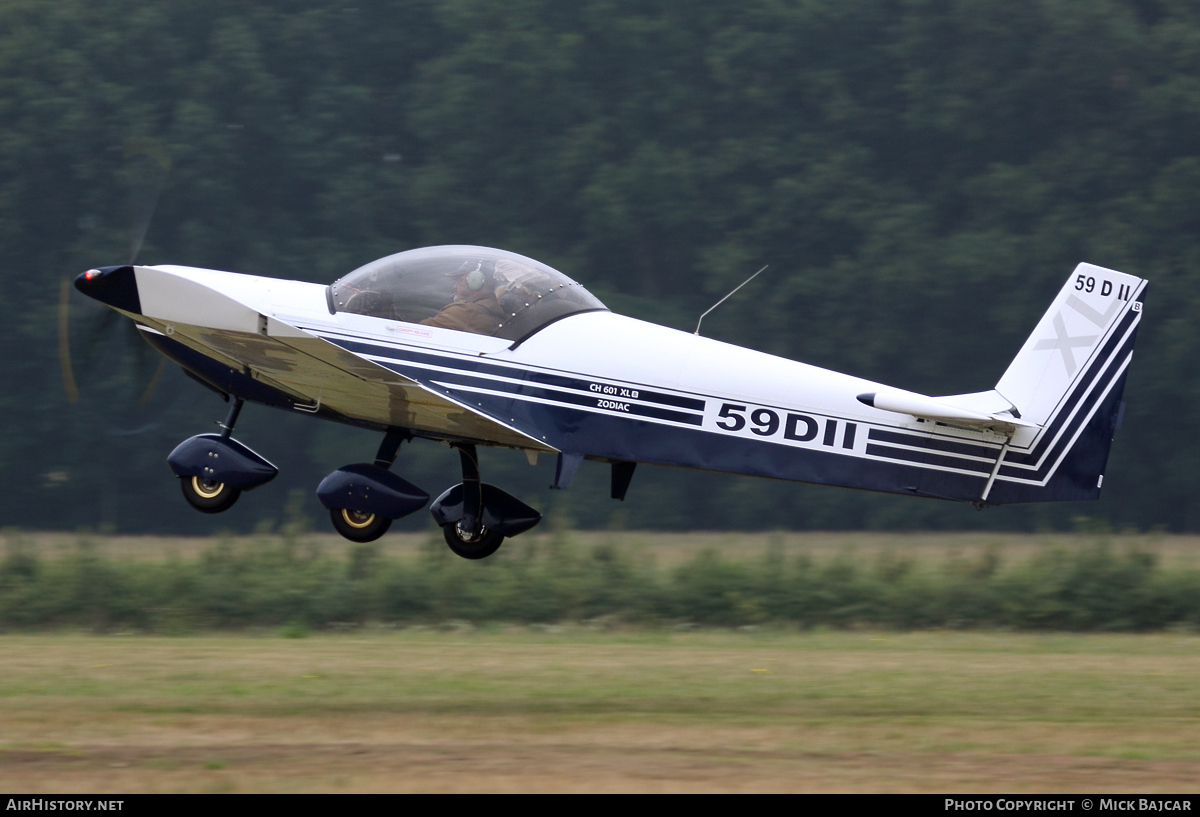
(726, 298)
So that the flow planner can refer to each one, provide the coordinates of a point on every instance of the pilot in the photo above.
(474, 308)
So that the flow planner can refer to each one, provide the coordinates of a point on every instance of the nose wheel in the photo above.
(359, 526)
(208, 495)
(475, 518)
(468, 537)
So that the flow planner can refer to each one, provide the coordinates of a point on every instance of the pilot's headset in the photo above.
(484, 272)
(475, 277)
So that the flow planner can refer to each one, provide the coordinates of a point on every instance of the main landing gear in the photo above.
(363, 498)
(214, 469)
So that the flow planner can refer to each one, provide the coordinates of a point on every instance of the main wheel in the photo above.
(480, 548)
(358, 526)
(208, 495)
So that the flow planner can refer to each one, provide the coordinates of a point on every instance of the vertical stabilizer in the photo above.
(1058, 357)
(1068, 380)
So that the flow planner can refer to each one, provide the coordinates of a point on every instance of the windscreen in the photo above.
(469, 289)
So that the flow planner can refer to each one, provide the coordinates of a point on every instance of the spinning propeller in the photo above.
(147, 164)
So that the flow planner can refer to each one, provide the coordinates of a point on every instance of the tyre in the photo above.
(487, 543)
(358, 526)
(207, 495)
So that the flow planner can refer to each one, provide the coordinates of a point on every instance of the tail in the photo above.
(1050, 420)
(1066, 383)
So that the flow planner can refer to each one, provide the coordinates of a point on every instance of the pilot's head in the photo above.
(471, 281)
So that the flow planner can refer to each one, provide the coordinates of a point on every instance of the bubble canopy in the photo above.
(470, 289)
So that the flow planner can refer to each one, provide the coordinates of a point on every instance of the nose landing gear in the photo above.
(463, 544)
(476, 517)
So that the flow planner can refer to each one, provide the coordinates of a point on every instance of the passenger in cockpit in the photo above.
(474, 308)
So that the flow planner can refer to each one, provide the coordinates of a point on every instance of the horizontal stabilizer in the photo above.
(931, 408)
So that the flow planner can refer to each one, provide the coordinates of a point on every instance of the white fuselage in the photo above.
(608, 387)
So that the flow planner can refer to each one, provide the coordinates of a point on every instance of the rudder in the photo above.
(1068, 379)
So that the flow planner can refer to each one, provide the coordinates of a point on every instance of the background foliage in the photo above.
(287, 581)
(921, 175)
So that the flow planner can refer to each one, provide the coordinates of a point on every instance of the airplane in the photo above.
(474, 346)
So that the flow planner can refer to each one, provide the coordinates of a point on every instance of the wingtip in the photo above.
(867, 399)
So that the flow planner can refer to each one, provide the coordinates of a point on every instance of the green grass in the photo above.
(737, 677)
(843, 710)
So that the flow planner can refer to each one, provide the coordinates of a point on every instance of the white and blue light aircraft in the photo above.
(475, 346)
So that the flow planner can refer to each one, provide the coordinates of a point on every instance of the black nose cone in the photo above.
(115, 286)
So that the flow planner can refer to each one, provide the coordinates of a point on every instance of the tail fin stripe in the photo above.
(1063, 445)
(1116, 349)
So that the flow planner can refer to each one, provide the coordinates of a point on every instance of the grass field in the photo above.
(567, 709)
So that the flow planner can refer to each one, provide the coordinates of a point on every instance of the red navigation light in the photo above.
(92, 273)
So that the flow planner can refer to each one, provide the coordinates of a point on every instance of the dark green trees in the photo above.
(921, 176)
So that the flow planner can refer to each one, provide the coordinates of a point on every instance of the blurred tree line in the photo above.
(921, 175)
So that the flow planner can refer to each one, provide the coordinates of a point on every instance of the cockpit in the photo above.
(470, 289)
